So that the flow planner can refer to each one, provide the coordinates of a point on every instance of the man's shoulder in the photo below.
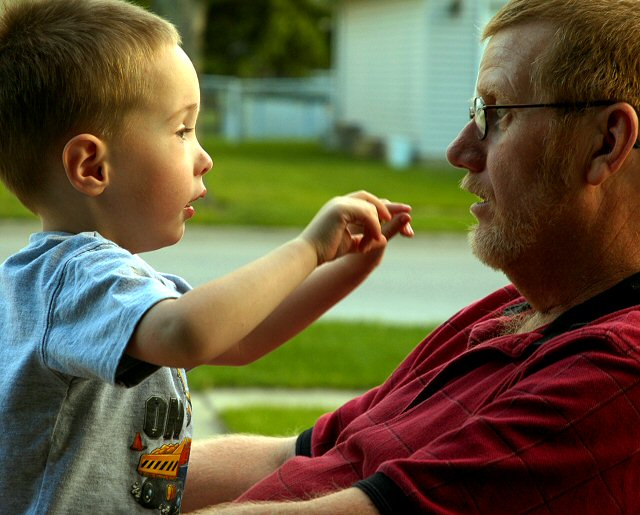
(620, 329)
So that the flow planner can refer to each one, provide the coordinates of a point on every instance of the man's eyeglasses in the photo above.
(478, 111)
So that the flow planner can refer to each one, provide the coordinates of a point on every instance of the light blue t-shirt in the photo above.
(84, 428)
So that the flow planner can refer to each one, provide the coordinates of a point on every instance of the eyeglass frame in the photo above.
(482, 134)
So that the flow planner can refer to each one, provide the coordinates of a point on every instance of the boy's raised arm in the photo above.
(207, 321)
(326, 286)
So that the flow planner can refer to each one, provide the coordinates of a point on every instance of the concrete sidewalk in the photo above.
(207, 404)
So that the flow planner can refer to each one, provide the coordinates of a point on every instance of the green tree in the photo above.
(267, 38)
(189, 16)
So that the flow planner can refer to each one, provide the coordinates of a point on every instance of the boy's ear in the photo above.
(617, 133)
(84, 158)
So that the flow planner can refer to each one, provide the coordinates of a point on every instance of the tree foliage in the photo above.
(252, 38)
(267, 38)
(189, 16)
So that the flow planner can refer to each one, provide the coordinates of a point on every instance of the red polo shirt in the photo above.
(478, 422)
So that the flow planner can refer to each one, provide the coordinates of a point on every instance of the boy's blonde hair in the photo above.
(594, 53)
(68, 67)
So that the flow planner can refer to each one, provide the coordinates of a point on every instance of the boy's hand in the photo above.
(399, 224)
(353, 224)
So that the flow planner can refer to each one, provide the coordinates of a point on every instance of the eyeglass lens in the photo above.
(477, 112)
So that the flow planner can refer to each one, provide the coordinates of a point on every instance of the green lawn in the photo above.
(10, 207)
(285, 183)
(270, 420)
(339, 355)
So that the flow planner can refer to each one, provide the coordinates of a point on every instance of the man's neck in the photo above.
(527, 322)
(552, 289)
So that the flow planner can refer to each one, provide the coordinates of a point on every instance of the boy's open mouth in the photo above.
(202, 195)
(189, 209)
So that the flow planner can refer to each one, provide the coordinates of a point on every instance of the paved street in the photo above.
(422, 280)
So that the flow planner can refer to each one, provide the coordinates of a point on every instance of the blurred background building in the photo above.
(405, 70)
(382, 78)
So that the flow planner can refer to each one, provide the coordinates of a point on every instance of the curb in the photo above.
(208, 403)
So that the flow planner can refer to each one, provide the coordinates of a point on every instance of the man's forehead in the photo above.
(505, 68)
(503, 83)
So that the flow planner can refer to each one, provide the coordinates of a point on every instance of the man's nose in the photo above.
(466, 150)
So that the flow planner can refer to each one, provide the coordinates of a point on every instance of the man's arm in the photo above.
(352, 500)
(222, 468)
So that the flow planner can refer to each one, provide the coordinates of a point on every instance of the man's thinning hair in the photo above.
(68, 67)
(594, 54)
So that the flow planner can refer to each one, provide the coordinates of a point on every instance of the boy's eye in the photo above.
(182, 133)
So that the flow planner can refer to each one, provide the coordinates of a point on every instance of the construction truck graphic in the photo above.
(164, 471)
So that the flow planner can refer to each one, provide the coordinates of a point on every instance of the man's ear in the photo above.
(84, 163)
(617, 127)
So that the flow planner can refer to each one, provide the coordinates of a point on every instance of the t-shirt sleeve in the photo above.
(100, 297)
(132, 371)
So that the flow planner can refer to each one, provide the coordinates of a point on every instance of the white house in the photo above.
(405, 69)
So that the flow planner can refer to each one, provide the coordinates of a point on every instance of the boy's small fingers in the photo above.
(399, 224)
(391, 228)
(407, 230)
(398, 207)
(362, 218)
(367, 243)
(379, 204)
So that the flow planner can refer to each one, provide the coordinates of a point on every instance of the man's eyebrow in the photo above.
(495, 91)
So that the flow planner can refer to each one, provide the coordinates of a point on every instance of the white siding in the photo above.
(452, 64)
(408, 67)
(380, 65)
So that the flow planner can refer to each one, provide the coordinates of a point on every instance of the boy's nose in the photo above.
(206, 163)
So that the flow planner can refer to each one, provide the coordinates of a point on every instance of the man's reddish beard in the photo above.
(501, 241)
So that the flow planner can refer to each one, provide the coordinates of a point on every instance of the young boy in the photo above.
(98, 105)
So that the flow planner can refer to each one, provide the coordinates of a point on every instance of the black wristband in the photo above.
(388, 498)
(303, 443)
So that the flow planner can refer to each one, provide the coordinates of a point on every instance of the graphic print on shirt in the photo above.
(164, 458)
